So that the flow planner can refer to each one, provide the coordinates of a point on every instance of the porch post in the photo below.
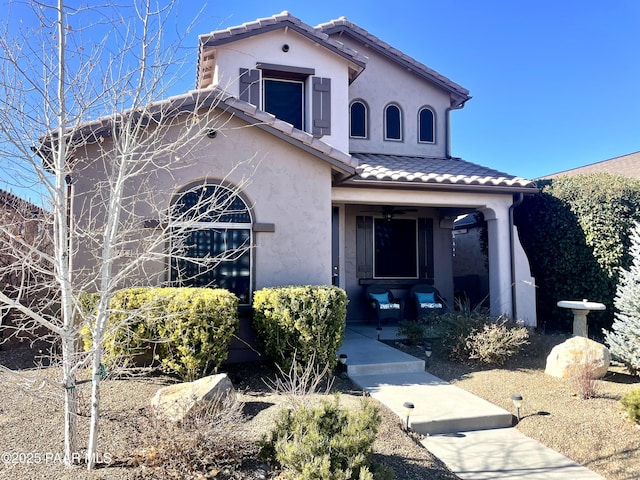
(499, 261)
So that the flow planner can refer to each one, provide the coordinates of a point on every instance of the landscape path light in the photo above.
(428, 351)
(517, 402)
(342, 358)
(409, 409)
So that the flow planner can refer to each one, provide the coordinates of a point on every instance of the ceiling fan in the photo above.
(389, 211)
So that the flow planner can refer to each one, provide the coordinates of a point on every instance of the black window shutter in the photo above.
(250, 86)
(364, 247)
(425, 247)
(321, 106)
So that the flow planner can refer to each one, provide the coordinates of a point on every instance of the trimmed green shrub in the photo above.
(325, 442)
(624, 337)
(188, 330)
(631, 403)
(576, 235)
(302, 322)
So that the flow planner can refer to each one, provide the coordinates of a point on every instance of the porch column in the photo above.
(499, 260)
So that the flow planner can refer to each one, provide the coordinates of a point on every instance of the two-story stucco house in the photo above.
(356, 184)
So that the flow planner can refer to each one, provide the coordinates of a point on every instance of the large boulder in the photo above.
(578, 351)
(176, 402)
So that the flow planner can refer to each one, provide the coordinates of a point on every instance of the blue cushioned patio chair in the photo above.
(384, 305)
(427, 300)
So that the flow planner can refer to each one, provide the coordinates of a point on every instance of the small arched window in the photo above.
(426, 126)
(211, 240)
(358, 120)
(392, 123)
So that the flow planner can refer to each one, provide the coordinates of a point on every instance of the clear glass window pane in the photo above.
(393, 126)
(426, 126)
(358, 120)
(395, 248)
(284, 99)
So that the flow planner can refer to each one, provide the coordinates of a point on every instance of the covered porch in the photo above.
(399, 237)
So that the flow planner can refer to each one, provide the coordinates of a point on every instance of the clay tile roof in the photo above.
(343, 25)
(403, 169)
(278, 21)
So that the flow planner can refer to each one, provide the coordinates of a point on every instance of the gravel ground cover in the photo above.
(595, 432)
(31, 429)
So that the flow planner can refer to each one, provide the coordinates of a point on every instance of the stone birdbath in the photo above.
(580, 311)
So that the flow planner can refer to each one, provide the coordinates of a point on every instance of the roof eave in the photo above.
(450, 86)
(454, 187)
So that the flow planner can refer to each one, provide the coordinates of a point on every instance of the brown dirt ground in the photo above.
(31, 424)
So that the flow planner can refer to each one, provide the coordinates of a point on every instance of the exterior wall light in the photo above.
(212, 133)
(285, 47)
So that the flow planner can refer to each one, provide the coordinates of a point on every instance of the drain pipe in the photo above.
(512, 249)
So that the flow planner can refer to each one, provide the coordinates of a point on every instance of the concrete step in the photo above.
(369, 357)
(439, 406)
(503, 454)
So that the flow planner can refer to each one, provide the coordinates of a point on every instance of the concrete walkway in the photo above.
(472, 436)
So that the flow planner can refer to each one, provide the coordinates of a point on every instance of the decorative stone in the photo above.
(175, 402)
(578, 351)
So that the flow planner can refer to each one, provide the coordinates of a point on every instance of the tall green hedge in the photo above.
(576, 235)
(305, 321)
(187, 330)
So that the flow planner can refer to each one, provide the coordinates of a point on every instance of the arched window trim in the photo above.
(386, 119)
(366, 118)
(201, 224)
(433, 125)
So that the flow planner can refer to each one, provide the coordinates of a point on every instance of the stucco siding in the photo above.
(283, 186)
(267, 48)
(384, 82)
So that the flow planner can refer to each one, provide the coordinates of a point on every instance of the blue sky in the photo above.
(554, 82)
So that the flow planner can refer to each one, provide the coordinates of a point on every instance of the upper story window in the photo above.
(392, 123)
(291, 94)
(426, 126)
(284, 99)
(358, 120)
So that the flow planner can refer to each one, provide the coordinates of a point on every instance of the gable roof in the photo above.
(342, 26)
(627, 165)
(421, 172)
(96, 130)
(264, 25)
(10, 201)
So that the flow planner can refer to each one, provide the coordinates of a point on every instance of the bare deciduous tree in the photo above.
(84, 121)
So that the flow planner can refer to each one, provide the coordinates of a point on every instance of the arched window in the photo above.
(358, 120)
(392, 123)
(426, 126)
(211, 240)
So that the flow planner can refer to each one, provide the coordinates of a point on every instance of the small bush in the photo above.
(470, 334)
(307, 322)
(583, 378)
(496, 341)
(325, 442)
(207, 441)
(631, 403)
(187, 330)
(414, 331)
